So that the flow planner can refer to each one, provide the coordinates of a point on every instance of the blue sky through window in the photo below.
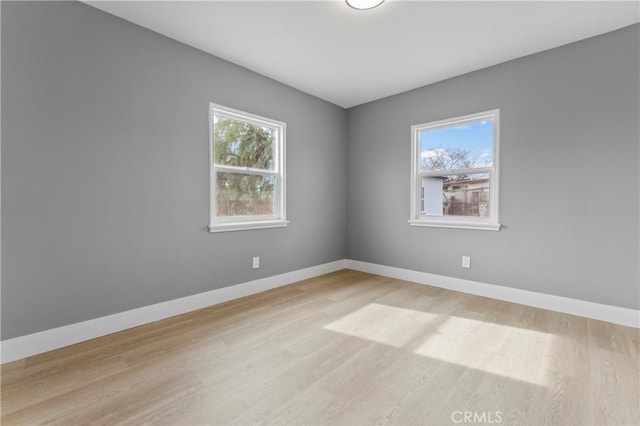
(476, 137)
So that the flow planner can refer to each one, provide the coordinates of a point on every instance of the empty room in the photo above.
(320, 212)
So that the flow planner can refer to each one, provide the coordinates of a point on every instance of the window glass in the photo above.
(247, 176)
(455, 173)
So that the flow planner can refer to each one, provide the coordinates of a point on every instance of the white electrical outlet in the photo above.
(466, 262)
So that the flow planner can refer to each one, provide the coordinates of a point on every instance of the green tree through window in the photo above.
(247, 168)
(242, 144)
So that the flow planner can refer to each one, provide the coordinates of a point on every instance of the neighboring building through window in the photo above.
(455, 178)
(247, 163)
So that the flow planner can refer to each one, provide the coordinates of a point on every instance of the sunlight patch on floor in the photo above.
(511, 352)
(384, 324)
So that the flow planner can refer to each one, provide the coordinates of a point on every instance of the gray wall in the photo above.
(569, 174)
(105, 172)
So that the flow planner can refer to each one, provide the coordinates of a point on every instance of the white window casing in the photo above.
(276, 171)
(427, 186)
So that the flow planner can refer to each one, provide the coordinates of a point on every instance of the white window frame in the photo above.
(240, 223)
(465, 222)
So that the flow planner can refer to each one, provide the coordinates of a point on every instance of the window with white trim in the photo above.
(454, 172)
(247, 164)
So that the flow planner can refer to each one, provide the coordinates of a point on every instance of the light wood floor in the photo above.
(344, 348)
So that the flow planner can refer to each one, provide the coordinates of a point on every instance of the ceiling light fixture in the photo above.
(364, 4)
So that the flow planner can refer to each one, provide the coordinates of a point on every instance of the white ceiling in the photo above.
(350, 57)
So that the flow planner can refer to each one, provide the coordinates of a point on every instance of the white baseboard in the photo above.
(47, 340)
(608, 313)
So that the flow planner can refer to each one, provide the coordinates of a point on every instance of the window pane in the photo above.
(242, 144)
(244, 195)
(463, 146)
(455, 195)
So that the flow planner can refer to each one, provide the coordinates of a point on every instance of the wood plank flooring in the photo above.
(343, 348)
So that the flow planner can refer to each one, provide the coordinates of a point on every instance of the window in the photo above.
(247, 180)
(454, 172)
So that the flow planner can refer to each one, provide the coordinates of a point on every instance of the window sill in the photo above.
(457, 225)
(245, 226)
